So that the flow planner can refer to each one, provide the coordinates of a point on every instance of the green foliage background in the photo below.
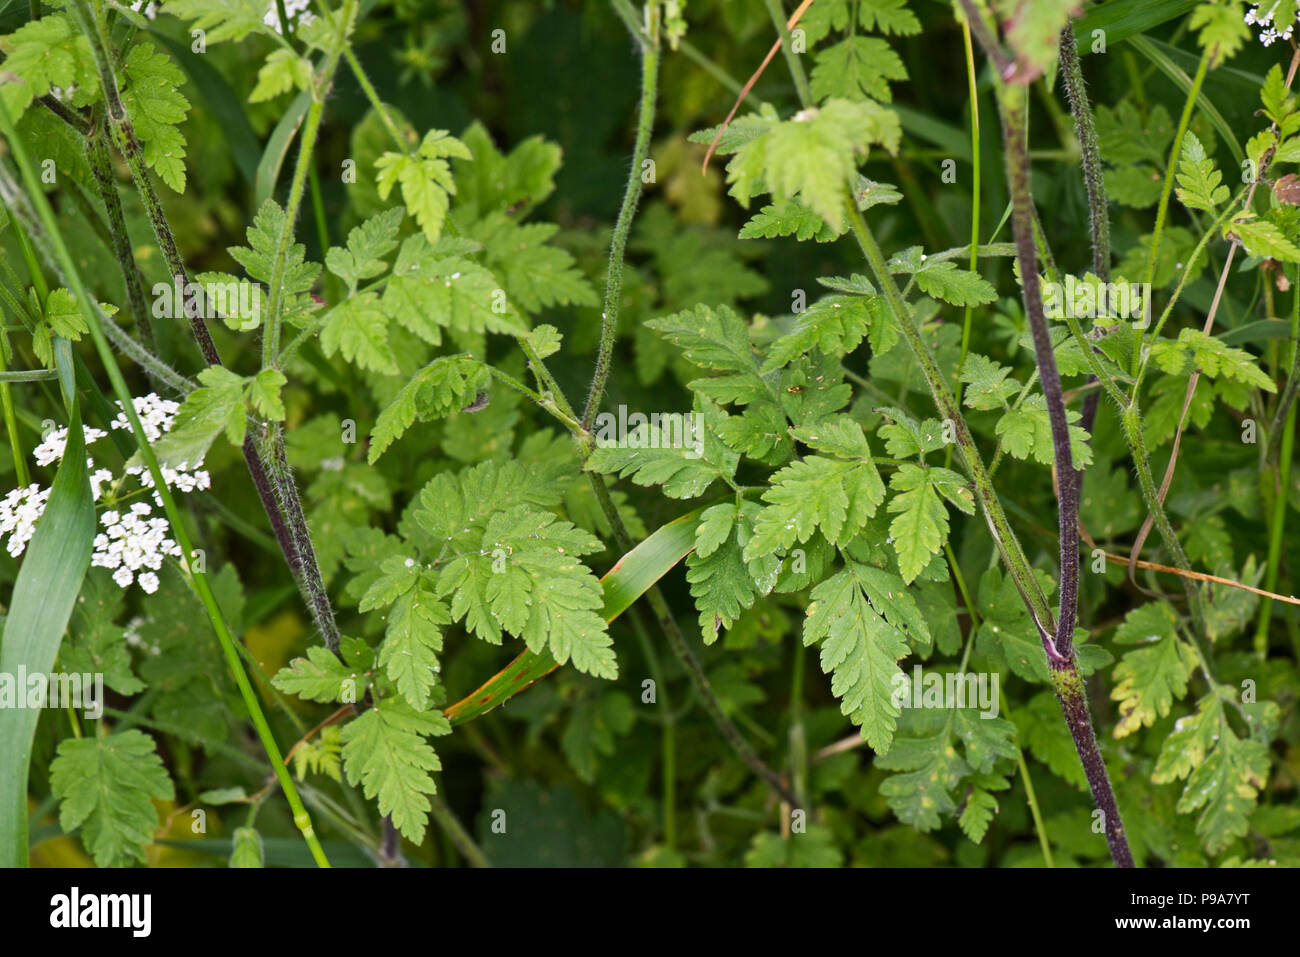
(821, 436)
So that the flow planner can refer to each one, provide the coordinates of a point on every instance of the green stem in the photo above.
(1168, 188)
(372, 95)
(798, 734)
(307, 143)
(974, 206)
(1086, 132)
(11, 423)
(1282, 486)
(1008, 545)
(779, 18)
(456, 832)
(623, 225)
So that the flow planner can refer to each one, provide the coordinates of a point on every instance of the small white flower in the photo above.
(56, 443)
(1275, 18)
(292, 9)
(19, 511)
(132, 542)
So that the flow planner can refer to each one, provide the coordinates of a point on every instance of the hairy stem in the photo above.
(1085, 130)
(623, 226)
(283, 510)
(1014, 106)
(101, 168)
(307, 143)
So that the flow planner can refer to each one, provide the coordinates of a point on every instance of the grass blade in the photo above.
(630, 578)
(48, 582)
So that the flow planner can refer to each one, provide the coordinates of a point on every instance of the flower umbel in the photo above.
(1273, 27)
(134, 542)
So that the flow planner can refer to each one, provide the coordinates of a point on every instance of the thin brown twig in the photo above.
(749, 84)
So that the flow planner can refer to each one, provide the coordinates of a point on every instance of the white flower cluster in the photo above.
(156, 418)
(1264, 16)
(19, 511)
(134, 543)
(292, 9)
(56, 443)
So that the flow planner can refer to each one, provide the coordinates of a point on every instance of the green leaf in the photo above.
(1222, 30)
(1224, 773)
(1136, 186)
(412, 641)
(921, 524)
(788, 218)
(264, 394)
(631, 576)
(1212, 357)
(107, 786)
(433, 288)
(593, 725)
(836, 325)
(497, 182)
(258, 258)
(442, 387)
(814, 847)
(674, 452)
(978, 814)
(321, 676)
(1149, 680)
(425, 178)
(1198, 180)
(45, 53)
(814, 493)
(222, 20)
(1263, 239)
(814, 156)
(385, 751)
(722, 583)
(367, 245)
(988, 385)
(1026, 433)
(283, 71)
(859, 648)
(358, 330)
(960, 287)
(150, 85)
(1278, 103)
(247, 849)
(536, 275)
(716, 339)
(857, 68)
(216, 406)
